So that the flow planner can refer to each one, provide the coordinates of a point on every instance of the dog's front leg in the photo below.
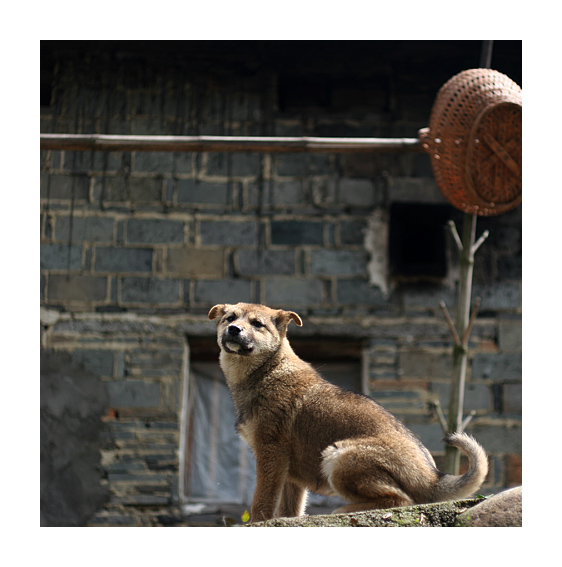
(271, 474)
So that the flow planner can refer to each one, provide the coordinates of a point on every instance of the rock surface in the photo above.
(503, 509)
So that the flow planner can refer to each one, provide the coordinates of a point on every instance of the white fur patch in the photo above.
(233, 346)
(330, 457)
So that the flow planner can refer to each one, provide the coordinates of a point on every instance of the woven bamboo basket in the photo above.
(474, 141)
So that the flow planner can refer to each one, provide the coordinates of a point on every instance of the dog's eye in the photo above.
(231, 318)
(257, 324)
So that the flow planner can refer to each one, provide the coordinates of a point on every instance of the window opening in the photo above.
(217, 467)
(417, 242)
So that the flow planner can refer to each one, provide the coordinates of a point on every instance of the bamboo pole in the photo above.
(460, 330)
(106, 142)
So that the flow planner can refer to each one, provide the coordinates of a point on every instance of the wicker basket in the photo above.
(474, 141)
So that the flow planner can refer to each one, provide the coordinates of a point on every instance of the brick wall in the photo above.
(137, 246)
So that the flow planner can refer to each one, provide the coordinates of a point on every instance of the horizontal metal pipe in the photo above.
(106, 142)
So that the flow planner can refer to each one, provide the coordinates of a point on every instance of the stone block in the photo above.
(63, 186)
(359, 292)
(357, 192)
(192, 191)
(352, 232)
(425, 364)
(476, 396)
(266, 262)
(500, 296)
(283, 193)
(228, 233)
(56, 257)
(85, 229)
(286, 292)
(145, 189)
(300, 164)
(497, 367)
(76, 287)
(296, 233)
(338, 262)
(498, 438)
(149, 290)
(512, 399)
(211, 292)
(133, 394)
(233, 164)
(510, 336)
(142, 231)
(196, 262)
(99, 362)
(120, 260)
(153, 162)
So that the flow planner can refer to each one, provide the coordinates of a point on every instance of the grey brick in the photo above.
(61, 186)
(287, 292)
(55, 257)
(295, 233)
(123, 260)
(210, 292)
(77, 288)
(338, 262)
(500, 296)
(497, 367)
(510, 336)
(228, 233)
(512, 398)
(302, 164)
(359, 292)
(153, 162)
(352, 232)
(196, 262)
(155, 231)
(145, 189)
(111, 188)
(99, 362)
(266, 262)
(200, 192)
(425, 364)
(85, 229)
(133, 394)
(498, 438)
(476, 396)
(428, 296)
(357, 192)
(149, 290)
(233, 164)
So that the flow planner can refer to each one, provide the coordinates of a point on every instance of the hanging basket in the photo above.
(474, 142)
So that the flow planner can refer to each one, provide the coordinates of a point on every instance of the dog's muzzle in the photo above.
(235, 342)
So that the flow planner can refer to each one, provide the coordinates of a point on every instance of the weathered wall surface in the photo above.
(137, 246)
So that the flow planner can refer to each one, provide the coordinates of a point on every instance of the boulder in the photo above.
(501, 510)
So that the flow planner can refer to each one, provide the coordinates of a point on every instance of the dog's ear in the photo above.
(285, 317)
(217, 310)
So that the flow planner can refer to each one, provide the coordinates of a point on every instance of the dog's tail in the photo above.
(451, 487)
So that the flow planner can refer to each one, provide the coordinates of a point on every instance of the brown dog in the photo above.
(308, 434)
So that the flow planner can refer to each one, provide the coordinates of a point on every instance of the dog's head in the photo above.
(248, 329)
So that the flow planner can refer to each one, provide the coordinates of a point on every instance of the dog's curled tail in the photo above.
(450, 487)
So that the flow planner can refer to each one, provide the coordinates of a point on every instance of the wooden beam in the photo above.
(106, 142)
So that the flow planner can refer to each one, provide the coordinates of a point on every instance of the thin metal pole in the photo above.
(106, 142)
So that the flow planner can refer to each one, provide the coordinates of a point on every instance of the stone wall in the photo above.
(137, 246)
